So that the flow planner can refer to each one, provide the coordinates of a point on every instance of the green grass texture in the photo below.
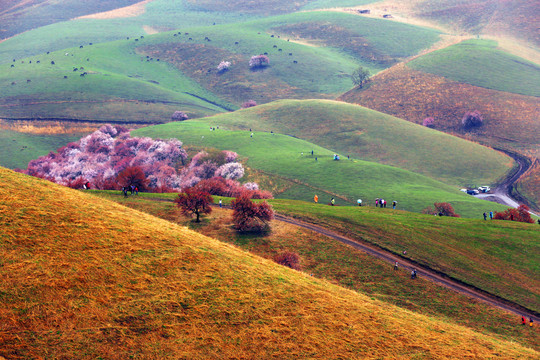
(373, 136)
(481, 63)
(17, 149)
(346, 180)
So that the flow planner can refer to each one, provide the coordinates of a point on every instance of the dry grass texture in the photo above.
(413, 95)
(82, 277)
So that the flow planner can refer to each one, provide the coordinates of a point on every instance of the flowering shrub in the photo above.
(223, 66)
(223, 187)
(179, 116)
(259, 61)
(248, 104)
(429, 122)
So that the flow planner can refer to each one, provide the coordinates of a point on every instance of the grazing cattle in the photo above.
(157, 60)
(12, 65)
(142, 37)
(75, 69)
(280, 50)
(265, 53)
(80, 47)
(190, 39)
(30, 62)
(236, 43)
(90, 44)
(38, 61)
(136, 39)
(271, 35)
(65, 77)
(295, 62)
(14, 60)
(48, 52)
(175, 35)
(127, 38)
(275, 46)
(28, 80)
(290, 54)
(13, 83)
(186, 33)
(52, 62)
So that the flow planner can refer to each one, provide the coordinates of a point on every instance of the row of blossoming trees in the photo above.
(110, 159)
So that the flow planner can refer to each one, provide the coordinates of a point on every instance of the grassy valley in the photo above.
(161, 290)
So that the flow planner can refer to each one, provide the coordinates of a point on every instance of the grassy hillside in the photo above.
(374, 136)
(17, 149)
(507, 18)
(107, 281)
(157, 15)
(20, 16)
(346, 180)
(480, 63)
(510, 120)
(487, 254)
(341, 264)
(150, 77)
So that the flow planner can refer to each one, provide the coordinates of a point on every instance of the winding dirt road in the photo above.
(502, 194)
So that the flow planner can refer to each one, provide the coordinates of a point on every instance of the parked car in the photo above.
(484, 189)
(473, 192)
(464, 190)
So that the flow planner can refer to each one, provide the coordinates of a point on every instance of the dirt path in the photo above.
(502, 194)
(430, 274)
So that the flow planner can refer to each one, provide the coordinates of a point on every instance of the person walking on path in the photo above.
(316, 198)
(332, 201)
(359, 201)
(396, 266)
(376, 202)
(530, 322)
(220, 203)
(124, 189)
(136, 190)
(491, 215)
(485, 216)
(394, 204)
(413, 274)
(523, 321)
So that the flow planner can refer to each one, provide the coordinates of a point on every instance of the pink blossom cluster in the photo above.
(259, 61)
(99, 157)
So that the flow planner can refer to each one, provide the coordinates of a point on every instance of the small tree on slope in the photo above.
(194, 202)
(250, 216)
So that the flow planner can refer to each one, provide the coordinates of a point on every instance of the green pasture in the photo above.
(185, 77)
(373, 136)
(161, 15)
(114, 74)
(346, 180)
(481, 63)
(18, 149)
(501, 257)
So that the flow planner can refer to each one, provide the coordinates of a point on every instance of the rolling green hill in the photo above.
(149, 77)
(480, 63)
(373, 136)
(107, 281)
(346, 180)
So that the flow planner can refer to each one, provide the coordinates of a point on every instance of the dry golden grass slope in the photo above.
(82, 277)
